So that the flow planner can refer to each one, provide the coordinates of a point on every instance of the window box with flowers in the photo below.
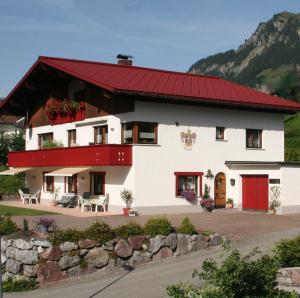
(64, 111)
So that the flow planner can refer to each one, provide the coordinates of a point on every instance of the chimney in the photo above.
(125, 59)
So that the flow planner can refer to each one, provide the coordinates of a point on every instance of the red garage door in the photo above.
(255, 192)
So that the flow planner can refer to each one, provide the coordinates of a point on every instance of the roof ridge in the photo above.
(129, 66)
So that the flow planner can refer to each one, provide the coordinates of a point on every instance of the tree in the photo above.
(10, 142)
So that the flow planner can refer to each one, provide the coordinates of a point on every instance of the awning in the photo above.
(14, 171)
(68, 171)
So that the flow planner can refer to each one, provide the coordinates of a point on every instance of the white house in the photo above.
(157, 133)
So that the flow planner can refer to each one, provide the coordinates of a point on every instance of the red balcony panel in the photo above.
(97, 155)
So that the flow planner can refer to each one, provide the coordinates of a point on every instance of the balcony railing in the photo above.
(96, 155)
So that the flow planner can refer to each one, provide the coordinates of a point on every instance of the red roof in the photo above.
(162, 83)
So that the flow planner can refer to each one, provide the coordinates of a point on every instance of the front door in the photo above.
(220, 190)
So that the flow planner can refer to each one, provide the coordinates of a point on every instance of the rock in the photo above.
(163, 253)
(171, 241)
(123, 249)
(48, 271)
(87, 243)
(68, 246)
(11, 252)
(22, 244)
(42, 243)
(215, 239)
(28, 257)
(4, 245)
(81, 270)
(289, 276)
(6, 276)
(13, 266)
(109, 245)
(67, 262)
(140, 257)
(52, 253)
(184, 244)
(198, 242)
(136, 242)
(40, 249)
(115, 264)
(3, 259)
(97, 257)
(29, 270)
(156, 243)
(83, 252)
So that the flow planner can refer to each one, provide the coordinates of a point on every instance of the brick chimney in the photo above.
(125, 59)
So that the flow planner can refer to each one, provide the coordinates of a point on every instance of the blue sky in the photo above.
(168, 34)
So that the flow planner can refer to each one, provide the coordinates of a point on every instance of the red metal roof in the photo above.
(156, 82)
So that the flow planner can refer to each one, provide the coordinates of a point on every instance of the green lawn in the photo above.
(16, 211)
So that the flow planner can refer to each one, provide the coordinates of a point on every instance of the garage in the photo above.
(255, 192)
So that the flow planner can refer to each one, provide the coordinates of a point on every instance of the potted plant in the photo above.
(274, 203)
(207, 202)
(44, 224)
(229, 203)
(189, 195)
(127, 197)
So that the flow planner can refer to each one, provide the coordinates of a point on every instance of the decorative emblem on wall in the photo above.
(188, 139)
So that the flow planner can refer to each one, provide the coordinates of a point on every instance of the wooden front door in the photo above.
(220, 190)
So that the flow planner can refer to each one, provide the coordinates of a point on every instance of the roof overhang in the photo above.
(15, 171)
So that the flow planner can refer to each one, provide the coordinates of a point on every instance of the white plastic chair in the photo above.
(35, 197)
(100, 202)
(24, 196)
(83, 203)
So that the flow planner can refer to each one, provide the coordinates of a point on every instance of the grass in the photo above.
(17, 211)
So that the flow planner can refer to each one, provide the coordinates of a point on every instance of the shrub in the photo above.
(52, 144)
(158, 226)
(130, 229)
(7, 225)
(288, 252)
(100, 231)
(11, 285)
(186, 227)
(59, 236)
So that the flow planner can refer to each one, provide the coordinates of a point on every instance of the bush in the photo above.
(11, 285)
(7, 225)
(288, 252)
(59, 236)
(186, 227)
(158, 226)
(100, 231)
(130, 229)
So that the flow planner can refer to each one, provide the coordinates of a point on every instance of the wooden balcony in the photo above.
(95, 155)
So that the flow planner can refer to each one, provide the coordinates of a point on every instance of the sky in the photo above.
(166, 34)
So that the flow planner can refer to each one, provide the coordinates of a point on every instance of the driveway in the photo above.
(150, 281)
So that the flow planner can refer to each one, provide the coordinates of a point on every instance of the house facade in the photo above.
(159, 134)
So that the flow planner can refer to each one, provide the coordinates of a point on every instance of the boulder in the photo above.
(136, 242)
(109, 245)
(289, 276)
(4, 244)
(97, 257)
(13, 266)
(171, 241)
(140, 257)
(83, 252)
(156, 243)
(80, 270)
(184, 244)
(48, 272)
(67, 262)
(198, 242)
(163, 253)
(123, 249)
(52, 253)
(42, 243)
(40, 249)
(87, 243)
(215, 239)
(28, 257)
(3, 259)
(11, 252)
(68, 246)
(29, 270)
(22, 244)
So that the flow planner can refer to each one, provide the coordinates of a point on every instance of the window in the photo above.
(139, 133)
(97, 183)
(44, 138)
(220, 133)
(72, 184)
(253, 138)
(188, 181)
(101, 134)
(72, 137)
(48, 183)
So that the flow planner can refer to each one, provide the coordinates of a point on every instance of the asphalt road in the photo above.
(149, 281)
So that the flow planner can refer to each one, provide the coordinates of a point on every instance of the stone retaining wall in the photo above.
(39, 259)
(289, 279)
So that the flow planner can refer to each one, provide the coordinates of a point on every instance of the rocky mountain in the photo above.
(274, 43)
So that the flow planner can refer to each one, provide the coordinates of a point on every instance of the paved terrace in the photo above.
(237, 225)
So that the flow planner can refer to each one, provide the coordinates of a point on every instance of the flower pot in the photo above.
(229, 205)
(125, 211)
